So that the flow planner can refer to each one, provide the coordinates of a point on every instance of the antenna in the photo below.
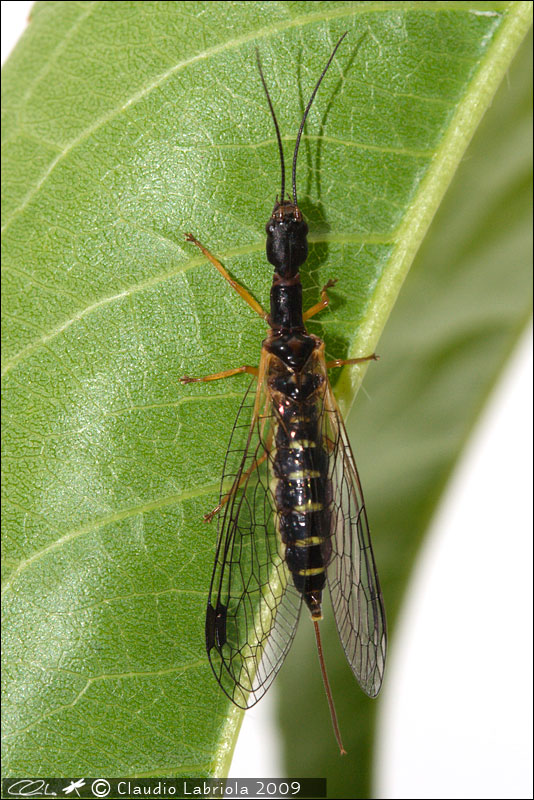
(312, 98)
(273, 115)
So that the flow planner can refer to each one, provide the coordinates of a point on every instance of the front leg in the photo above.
(323, 302)
(242, 292)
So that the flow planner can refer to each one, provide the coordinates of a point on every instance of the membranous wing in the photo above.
(352, 576)
(253, 607)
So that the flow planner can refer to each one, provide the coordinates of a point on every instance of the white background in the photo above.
(472, 737)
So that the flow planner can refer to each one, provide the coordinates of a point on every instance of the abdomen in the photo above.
(301, 495)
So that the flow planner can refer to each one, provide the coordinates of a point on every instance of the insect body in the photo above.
(291, 513)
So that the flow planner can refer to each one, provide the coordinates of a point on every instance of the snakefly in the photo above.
(291, 512)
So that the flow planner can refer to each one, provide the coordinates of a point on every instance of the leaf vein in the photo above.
(108, 519)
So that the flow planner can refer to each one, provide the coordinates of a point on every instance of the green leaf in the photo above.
(125, 125)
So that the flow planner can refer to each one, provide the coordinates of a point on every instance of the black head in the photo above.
(287, 244)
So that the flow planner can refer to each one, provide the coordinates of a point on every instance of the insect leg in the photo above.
(340, 362)
(242, 479)
(323, 302)
(242, 292)
(226, 374)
